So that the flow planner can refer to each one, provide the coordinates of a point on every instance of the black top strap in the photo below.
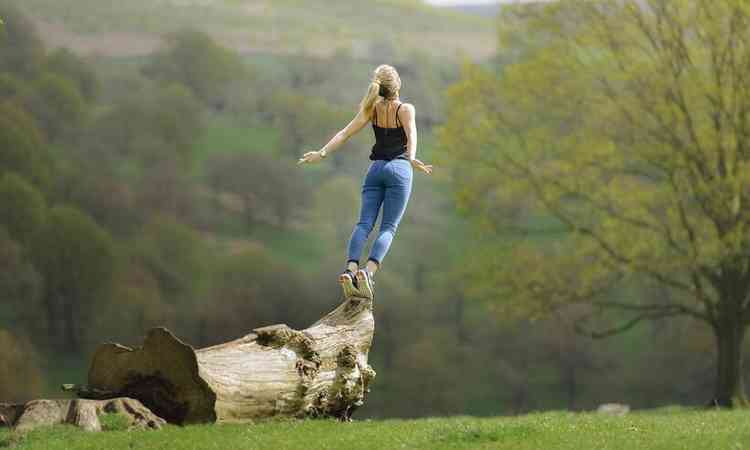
(398, 122)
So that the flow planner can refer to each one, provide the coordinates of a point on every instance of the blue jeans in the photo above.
(387, 183)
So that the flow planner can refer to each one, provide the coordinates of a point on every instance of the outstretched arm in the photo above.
(356, 124)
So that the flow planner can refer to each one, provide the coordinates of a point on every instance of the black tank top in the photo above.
(390, 143)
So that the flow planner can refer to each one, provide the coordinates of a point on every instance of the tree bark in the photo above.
(730, 386)
(274, 371)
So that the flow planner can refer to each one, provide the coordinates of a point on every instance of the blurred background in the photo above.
(148, 178)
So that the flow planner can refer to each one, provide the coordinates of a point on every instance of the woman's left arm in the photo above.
(356, 124)
(410, 127)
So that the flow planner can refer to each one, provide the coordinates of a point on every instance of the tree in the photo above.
(265, 183)
(21, 50)
(22, 147)
(76, 258)
(306, 122)
(19, 368)
(251, 286)
(616, 154)
(67, 64)
(10, 86)
(22, 207)
(21, 288)
(321, 371)
(56, 103)
(152, 126)
(195, 60)
(177, 257)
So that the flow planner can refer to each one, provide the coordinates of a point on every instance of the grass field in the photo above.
(670, 428)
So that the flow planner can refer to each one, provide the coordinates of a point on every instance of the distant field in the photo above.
(661, 429)
(313, 26)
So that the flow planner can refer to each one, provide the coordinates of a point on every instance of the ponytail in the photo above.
(368, 102)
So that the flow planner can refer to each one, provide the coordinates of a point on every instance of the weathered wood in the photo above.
(274, 371)
(80, 412)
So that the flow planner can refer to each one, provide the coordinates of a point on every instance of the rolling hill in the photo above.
(315, 27)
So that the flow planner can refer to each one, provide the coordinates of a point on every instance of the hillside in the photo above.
(317, 27)
(488, 10)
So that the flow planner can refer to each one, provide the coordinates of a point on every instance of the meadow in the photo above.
(665, 428)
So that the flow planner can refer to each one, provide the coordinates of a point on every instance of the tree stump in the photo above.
(321, 371)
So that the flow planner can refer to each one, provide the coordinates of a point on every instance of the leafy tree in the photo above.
(177, 257)
(253, 288)
(616, 155)
(136, 303)
(67, 64)
(21, 288)
(22, 207)
(154, 125)
(56, 103)
(306, 122)
(330, 220)
(22, 146)
(269, 190)
(195, 60)
(19, 368)
(76, 258)
(10, 87)
(21, 50)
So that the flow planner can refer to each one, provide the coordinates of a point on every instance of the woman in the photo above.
(388, 180)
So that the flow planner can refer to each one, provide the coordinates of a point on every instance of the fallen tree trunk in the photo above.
(274, 371)
(82, 413)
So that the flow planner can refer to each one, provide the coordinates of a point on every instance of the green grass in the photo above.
(660, 429)
(222, 135)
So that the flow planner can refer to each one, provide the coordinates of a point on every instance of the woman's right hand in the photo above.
(419, 165)
(310, 157)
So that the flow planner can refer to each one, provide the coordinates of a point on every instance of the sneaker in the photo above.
(366, 283)
(348, 282)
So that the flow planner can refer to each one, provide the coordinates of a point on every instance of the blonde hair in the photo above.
(385, 83)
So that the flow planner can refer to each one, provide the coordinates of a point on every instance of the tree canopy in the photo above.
(615, 154)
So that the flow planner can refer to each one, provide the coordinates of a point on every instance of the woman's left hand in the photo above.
(426, 168)
(310, 157)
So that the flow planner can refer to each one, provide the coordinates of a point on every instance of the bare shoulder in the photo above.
(408, 110)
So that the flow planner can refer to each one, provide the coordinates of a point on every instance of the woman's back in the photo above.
(384, 115)
(390, 136)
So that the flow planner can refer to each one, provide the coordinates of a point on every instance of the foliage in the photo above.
(56, 103)
(22, 207)
(22, 147)
(195, 60)
(176, 256)
(76, 258)
(153, 125)
(265, 184)
(252, 288)
(21, 288)
(625, 131)
(19, 369)
(71, 66)
(21, 50)
(304, 121)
